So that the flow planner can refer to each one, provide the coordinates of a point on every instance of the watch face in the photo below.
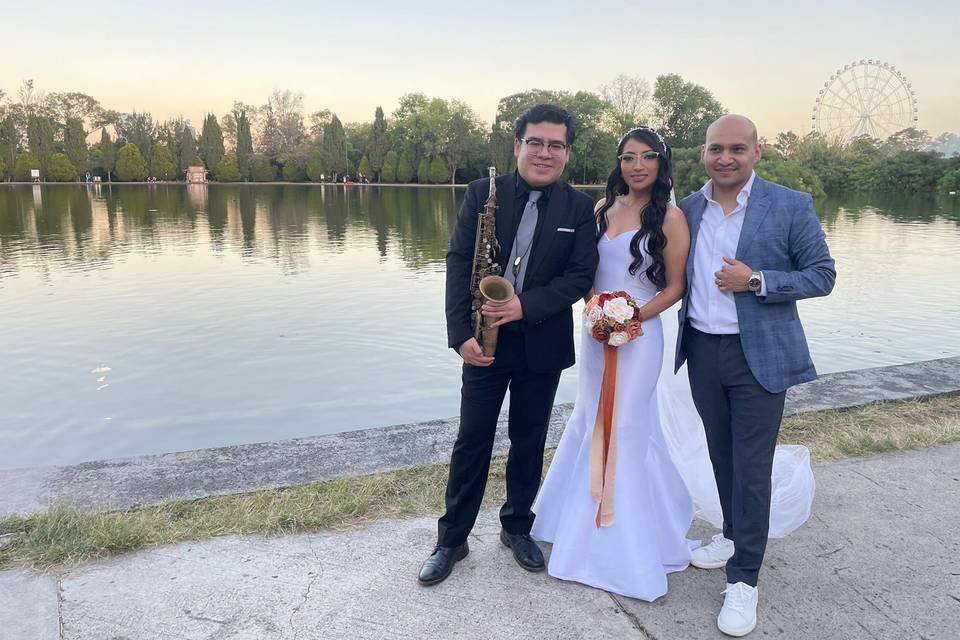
(753, 283)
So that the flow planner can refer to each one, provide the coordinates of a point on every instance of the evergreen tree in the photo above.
(315, 166)
(335, 148)
(423, 170)
(226, 170)
(26, 163)
(388, 173)
(40, 135)
(210, 145)
(130, 163)
(60, 169)
(9, 140)
(108, 153)
(184, 147)
(244, 144)
(364, 168)
(163, 166)
(75, 143)
(404, 168)
(438, 171)
(377, 145)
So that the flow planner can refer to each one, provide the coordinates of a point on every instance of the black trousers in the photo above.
(482, 394)
(741, 420)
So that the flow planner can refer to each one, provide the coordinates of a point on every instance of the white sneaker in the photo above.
(713, 555)
(738, 616)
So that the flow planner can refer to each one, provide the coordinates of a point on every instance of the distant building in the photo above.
(196, 174)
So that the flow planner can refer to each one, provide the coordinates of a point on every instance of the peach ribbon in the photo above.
(603, 449)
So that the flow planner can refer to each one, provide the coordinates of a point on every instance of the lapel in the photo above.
(506, 189)
(693, 221)
(757, 209)
(548, 226)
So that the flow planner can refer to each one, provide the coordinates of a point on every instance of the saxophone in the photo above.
(485, 280)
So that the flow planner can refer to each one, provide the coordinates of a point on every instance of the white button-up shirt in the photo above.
(712, 310)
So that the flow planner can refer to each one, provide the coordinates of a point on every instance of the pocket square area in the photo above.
(564, 230)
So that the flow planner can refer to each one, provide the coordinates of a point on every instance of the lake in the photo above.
(142, 319)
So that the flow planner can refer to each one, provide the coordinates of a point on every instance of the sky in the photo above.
(766, 60)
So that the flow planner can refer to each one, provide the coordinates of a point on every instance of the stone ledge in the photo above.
(144, 480)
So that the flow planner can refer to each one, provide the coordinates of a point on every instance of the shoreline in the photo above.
(139, 481)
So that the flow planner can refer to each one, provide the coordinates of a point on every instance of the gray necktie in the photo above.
(523, 242)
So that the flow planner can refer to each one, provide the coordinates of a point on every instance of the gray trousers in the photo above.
(741, 420)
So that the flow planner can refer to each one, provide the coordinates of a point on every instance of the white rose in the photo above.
(618, 309)
(594, 315)
(618, 339)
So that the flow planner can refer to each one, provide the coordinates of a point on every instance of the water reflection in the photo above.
(230, 314)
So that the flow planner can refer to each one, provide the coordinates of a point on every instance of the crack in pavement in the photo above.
(633, 618)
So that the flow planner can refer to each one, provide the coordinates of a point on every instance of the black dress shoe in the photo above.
(440, 563)
(525, 550)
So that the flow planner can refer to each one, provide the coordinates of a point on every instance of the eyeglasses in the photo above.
(647, 157)
(535, 145)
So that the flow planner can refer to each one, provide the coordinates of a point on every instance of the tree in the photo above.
(226, 170)
(282, 123)
(423, 170)
(364, 167)
(261, 170)
(9, 141)
(683, 110)
(335, 148)
(25, 164)
(108, 153)
(183, 145)
(462, 132)
(163, 165)
(294, 171)
(139, 129)
(377, 144)
(41, 133)
(629, 97)
(3, 168)
(61, 169)
(438, 171)
(315, 167)
(75, 143)
(404, 168)
(786, 144)
(244, 144)
(130, 163)
(950, 181)
(389, 171)
(210, 146)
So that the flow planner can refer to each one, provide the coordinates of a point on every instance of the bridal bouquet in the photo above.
(614, 318)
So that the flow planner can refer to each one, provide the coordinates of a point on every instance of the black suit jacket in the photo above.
(562, 266)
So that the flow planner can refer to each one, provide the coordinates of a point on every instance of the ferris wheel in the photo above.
(865, 98)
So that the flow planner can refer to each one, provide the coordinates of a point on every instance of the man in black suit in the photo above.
(548, 248)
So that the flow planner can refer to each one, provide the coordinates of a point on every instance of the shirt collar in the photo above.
(742, 197)
(523, 189)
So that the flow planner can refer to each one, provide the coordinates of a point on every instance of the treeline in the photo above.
(428, 141)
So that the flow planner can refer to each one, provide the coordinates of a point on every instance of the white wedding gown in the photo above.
(663, 476)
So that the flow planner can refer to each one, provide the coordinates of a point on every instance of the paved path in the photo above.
(879, 559)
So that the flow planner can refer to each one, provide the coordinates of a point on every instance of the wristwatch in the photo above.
(753, 284)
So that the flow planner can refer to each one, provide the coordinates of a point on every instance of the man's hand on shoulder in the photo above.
(472, 353)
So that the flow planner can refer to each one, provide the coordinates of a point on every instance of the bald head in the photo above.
(730, 152)
(734, 124)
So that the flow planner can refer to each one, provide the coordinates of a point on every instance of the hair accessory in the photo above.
(663, 142)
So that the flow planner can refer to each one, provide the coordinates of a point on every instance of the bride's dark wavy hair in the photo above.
(652, 216)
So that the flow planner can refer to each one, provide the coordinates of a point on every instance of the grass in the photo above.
(66, 535)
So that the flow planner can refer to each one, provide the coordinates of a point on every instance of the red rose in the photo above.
(617, 327)
(600, 333)
(603, 298)
(633, 330)
(636, 313)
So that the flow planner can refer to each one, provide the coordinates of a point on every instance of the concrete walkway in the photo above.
(879, 559)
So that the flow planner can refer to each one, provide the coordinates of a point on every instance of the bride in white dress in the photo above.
(662, 475)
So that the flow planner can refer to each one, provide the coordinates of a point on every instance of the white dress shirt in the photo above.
(712, 310)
